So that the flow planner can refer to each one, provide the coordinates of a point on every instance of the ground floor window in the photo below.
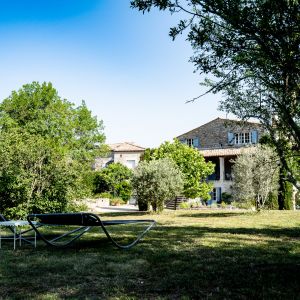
(130, 164)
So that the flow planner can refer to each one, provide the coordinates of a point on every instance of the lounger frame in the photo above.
(84, 221)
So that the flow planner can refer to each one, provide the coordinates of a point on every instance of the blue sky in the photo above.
(121, 62)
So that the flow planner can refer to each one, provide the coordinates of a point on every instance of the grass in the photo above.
(188, 255)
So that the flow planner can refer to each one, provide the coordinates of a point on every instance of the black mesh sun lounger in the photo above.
(83, 222)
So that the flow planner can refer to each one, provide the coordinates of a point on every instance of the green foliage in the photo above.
(251, 49)
(191, 164)
(255, 176)
(44, 156)
(226, 197)
(124, 190)
(116, 201)
(156, 181)
(103, 195)
(288, 195)
(184, 205)
(115, 179)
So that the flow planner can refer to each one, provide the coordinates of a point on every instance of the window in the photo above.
(247, 137)
(193, 142)
(214, 194)
(190, 142)
(130, 164)
(236, 138)
(242, 138)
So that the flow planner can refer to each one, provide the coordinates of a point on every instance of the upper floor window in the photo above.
(191, 142)
(243, 138)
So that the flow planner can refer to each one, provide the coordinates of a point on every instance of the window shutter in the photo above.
(254, 137)
(230, 137)
(196, 142)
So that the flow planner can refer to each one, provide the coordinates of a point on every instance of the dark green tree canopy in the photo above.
(37, 109)
(47, 147)
(251, 49)
(115, 179)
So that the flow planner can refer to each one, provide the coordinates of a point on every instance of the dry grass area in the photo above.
(209, 254)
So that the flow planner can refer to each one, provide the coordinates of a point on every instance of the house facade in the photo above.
(125, 153)
(221, 141)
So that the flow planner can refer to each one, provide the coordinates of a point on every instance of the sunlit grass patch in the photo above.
(188, 255)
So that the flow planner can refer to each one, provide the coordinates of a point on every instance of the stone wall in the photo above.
(215, 133)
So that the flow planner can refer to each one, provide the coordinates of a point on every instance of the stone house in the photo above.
(125, 153)
(220, 141)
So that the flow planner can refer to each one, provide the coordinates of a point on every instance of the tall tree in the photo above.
(255, 176)
(47, 145)
(251, 47)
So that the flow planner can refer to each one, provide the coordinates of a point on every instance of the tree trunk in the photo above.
(154, 206)
(281, 189)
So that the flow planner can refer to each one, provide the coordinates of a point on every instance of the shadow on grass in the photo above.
(124, 214)
(215, 214)
(171, 262)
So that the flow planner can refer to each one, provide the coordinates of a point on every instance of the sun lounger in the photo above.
(83, 222)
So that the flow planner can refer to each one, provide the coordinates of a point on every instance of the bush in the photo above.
(116, 201)
(114, 179)
(105, 195)
(184, 205)
(124, 190)
(244, 204)
(226, 197)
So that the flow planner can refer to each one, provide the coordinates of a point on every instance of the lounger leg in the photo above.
(14, 237)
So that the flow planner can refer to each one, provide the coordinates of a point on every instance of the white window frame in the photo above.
(242, 138)
(131, 163)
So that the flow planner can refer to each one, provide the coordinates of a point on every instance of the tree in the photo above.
(115, 179)
(251, 48)
(255, 176)
(156, 181)
(190, 162)
(46, 148)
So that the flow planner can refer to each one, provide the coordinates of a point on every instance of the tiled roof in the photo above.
(225, 121)
(125, 147)
(226, 151)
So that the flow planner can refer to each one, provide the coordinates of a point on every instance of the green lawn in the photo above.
(188, 255)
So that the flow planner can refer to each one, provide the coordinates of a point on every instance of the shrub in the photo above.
(124, 190)
(184, 205)
(103, 195)
(114, 179)
(226, 197)
(116, 201)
